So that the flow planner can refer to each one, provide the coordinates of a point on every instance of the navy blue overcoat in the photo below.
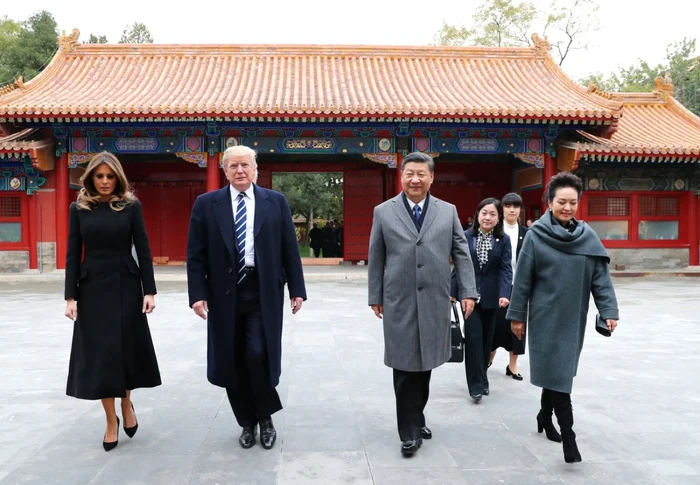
(211, 274)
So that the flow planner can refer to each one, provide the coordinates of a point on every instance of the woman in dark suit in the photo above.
(491, 255)
(108, 295)
(561, 263)
(503, 336)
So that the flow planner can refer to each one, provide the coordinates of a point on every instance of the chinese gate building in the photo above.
(495, 119)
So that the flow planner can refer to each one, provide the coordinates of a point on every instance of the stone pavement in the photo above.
(636, 403)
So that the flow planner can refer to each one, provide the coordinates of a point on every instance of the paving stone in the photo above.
(636, 408)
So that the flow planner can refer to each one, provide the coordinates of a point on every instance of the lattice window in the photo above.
(609, 206)
(10, 207)
(659, 206)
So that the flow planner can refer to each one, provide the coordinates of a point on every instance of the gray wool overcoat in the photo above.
(556, 273)
(409, 274)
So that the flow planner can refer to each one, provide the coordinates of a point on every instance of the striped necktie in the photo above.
(241, 220)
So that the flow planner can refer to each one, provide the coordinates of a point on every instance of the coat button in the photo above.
(419, 243)
(230, 270)
(228, 291)
(420, 288)
(420, 265)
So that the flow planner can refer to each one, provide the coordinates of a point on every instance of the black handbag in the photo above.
(457, 343)
(601, 326)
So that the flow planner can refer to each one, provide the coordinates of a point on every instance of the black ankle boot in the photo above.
(571, 454)
(544, 418)
(565, 416)
(544, 423)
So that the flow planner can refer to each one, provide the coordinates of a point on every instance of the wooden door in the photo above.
(363, 191)
(175, 208)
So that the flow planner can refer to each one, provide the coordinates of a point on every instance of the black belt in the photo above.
(250, 271)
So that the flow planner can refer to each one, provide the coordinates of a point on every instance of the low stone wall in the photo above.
(14, 261)
(644, 259)
(47, 256)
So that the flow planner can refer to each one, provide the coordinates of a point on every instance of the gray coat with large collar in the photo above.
(409, 274)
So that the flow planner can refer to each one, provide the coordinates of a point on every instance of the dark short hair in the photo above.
(512, 199)
(498, 230)
(419, 157)
(563, 180)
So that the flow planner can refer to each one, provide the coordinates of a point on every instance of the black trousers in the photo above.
(254, 398)
(412, 390)
(478, 339)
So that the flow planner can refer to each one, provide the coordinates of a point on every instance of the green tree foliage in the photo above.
(312, 195)
(136, 34)
(568, 24)
(30, 49)
(9, 31)
(679, 67)
(93, 39)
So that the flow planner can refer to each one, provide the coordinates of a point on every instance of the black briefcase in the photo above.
(456, 337)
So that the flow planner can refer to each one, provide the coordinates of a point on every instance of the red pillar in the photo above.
(399, 161)
(31, 204)
(550, 170)
(62, 205)
(213, 172)
(694, 233)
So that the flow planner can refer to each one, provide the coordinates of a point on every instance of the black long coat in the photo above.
(493, 280)
(112, 350)
(211, 274)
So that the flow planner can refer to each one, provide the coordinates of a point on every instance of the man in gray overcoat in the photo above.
(413, 236)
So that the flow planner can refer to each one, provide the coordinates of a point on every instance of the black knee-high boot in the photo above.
(544, 418)
(565, 415)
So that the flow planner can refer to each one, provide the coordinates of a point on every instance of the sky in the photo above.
(629, 29)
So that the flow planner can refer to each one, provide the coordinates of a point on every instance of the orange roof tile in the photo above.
(176, 81)
(652, 124)
(23, 141)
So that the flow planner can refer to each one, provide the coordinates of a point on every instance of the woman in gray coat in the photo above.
(561, 263)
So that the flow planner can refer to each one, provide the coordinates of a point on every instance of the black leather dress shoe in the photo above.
(425, 433)
(268, 434)
(476, 397)
(247, 439)
(409, 447)
(486, 392)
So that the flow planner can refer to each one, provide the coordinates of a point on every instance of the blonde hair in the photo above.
(239, 150)
(88, 197)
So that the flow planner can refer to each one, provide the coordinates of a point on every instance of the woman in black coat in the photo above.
(112, 351)
(491, 256)
(503, 336)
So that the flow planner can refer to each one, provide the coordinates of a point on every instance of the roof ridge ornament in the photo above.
(541, 45)
(69, 42)
(664, 86)
(594, 89)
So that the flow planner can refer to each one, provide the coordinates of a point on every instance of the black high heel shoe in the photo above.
(509, 373)
(130, 432)
(112, 444)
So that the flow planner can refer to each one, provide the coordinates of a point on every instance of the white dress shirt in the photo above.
(514, 235)
(250, 222)
(412, 204)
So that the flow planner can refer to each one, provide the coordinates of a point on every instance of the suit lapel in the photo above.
(223, 211)
(261, 207)
(471, 241)
(400, 211)
(430, 215)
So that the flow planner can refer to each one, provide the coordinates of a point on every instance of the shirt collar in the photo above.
(250, 192)
(412, 204)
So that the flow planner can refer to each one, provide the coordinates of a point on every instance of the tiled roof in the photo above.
(180, 81)
(23, 141)
(651, 125)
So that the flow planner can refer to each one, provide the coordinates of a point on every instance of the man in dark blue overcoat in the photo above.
(241, 250)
